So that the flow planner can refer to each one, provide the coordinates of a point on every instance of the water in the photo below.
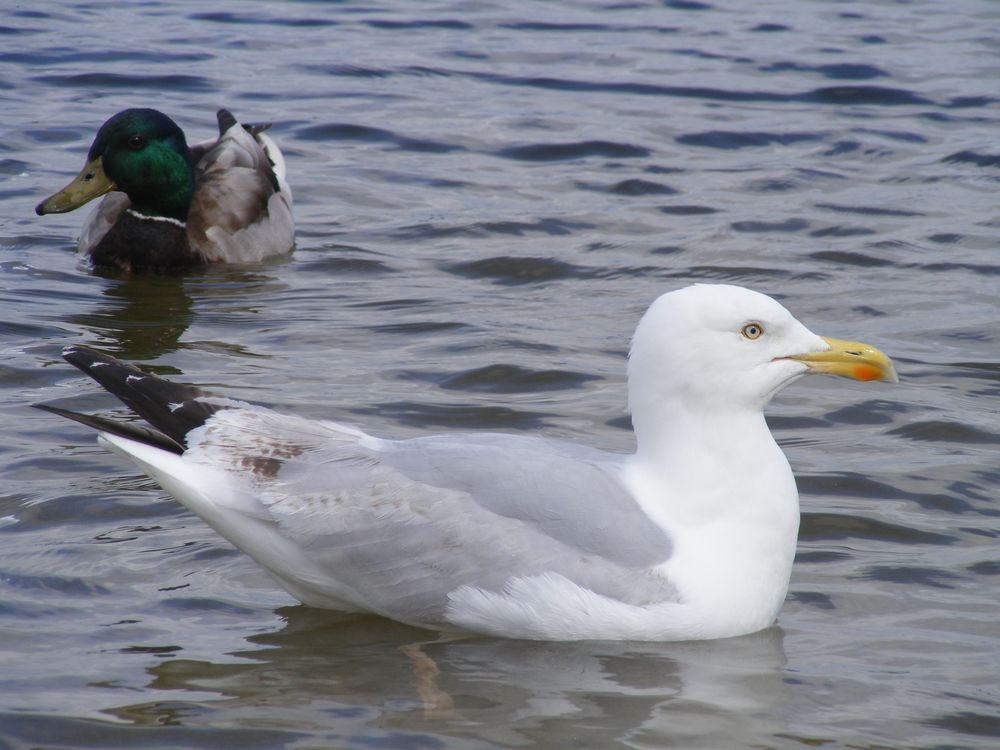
(487, 197)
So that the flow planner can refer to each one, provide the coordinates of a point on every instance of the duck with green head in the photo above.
(167, 205)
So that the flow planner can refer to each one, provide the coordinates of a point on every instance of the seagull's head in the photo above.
(712, 347)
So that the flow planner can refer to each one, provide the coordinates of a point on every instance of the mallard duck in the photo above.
(168, 205)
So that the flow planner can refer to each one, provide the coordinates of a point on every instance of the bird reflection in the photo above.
(142, 316)
(325, 669)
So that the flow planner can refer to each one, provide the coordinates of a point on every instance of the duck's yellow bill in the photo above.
(91, 183)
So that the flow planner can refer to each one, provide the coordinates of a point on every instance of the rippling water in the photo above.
(488, 196)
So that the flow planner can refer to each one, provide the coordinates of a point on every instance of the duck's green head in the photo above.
(140, 152)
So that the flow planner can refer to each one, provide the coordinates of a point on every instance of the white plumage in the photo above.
(693, 536)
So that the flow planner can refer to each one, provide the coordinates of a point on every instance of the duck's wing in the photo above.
(242, 207)
(420, 530)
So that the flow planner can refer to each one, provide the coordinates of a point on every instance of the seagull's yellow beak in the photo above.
(89, 184)
(850, 359)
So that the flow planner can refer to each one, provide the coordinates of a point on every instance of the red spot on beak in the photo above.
(866, 372)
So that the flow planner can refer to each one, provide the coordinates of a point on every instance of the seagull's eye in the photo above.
(135, 142)
(752, 331)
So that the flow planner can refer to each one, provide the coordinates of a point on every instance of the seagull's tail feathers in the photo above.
(221, 497)
(205, 490)
(238, 516)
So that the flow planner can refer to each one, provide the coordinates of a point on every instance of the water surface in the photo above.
(487, 197)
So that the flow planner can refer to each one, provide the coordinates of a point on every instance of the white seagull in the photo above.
(690, 537)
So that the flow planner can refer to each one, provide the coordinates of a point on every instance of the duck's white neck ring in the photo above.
(145, 217)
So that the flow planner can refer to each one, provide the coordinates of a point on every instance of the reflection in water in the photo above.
(377, 675)
(143, 316)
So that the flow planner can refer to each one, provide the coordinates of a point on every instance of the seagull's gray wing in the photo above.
(407, 522)
(570, 493)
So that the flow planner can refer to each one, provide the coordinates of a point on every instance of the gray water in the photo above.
(488, 195)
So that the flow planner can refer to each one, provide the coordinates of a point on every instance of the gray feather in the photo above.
(416, 519)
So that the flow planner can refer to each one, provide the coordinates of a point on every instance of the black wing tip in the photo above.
(88, 360)
(49, 408)
(72, 349)
(139, 433)
(173, 409)
(81, 356)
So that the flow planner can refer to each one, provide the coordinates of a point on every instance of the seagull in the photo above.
(509, 535)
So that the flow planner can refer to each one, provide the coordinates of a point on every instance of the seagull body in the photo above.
(690, 537)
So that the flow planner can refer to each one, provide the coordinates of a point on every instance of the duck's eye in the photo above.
(752, 331)
(135, 142)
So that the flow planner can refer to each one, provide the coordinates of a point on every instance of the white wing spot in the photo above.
(175, 407)
(98, 364)
(130, 378)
